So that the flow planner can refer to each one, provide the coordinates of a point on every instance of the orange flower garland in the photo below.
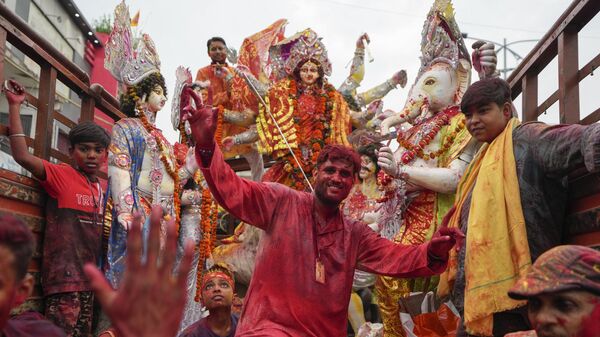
(417, 150)
(315, 138)
(219, 130)
(172, 171)
(207, 242)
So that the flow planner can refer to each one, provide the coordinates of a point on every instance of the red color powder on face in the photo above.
(589, 326)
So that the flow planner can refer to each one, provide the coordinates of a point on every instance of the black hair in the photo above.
(491, 90)
(371, 152)
(215, 39)
(89, 131)
(18, 239)
(134, 93)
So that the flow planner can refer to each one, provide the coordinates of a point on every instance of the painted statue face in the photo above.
(561, 314)
(438, 84)
(486, 122)
(217, 51)
(216, 293)
(309, 73)
(333, 181)
(156, 100)
(367, 167)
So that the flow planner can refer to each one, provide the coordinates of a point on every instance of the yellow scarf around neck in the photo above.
(497, 251)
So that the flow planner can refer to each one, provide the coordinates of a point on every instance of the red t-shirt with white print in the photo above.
(73, 232)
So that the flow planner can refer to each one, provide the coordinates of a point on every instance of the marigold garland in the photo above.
(417, 150)
(219, 130)
(172, 171)
(206, 244)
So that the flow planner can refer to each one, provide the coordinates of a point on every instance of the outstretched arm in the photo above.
(381, 256)
(256, 86)
(249, 201)
(15, 95)
(246, 137)
(437, 179)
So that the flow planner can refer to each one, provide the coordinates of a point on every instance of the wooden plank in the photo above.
(2, 53)
(547, 103)
(530, 97)
(568, 82)
(45, 108)
(591, 118)
(60, 156)
(579, 13)
(87, 108)
(63, 119)
(39, 49)
(589, 68)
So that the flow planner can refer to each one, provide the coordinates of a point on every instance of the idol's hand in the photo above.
(484, 59)
(386, 161)
(360, 43)
(399, 78)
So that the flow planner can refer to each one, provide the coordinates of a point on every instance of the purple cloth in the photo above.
(201, 329)
(31, 324)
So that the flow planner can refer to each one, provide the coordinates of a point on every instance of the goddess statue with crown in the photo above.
(435, 147)
(301, 111)
(142, 168)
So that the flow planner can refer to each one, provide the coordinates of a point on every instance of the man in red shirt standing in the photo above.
(310, 249)
(72, 236)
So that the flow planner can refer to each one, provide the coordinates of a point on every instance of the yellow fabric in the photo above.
(356, 314)
(445, 201)
(497, 251)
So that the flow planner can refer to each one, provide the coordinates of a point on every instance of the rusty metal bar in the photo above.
(45, 108)
(568, 82)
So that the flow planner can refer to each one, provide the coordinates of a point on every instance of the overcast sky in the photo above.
(180, 30)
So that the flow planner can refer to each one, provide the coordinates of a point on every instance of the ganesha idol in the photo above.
(434, 145)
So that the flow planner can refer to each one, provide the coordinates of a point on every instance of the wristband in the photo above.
(18, 135)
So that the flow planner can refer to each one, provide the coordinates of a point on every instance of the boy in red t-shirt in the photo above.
(72, 236)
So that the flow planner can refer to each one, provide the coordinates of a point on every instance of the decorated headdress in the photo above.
(286, 55)
(221, 270)
(128, 63)
(442, 42)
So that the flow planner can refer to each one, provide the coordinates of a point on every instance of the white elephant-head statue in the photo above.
(445, 71)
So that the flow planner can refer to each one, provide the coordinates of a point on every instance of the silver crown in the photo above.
(287, 54)
(441, 39)
(129, 63)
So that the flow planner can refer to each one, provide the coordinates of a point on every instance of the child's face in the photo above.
(89, 157)
(217, 292)
(487, 121)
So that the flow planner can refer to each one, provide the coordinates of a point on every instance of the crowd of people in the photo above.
(471, 194)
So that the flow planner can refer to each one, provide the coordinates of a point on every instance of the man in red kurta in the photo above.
(306, 259)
